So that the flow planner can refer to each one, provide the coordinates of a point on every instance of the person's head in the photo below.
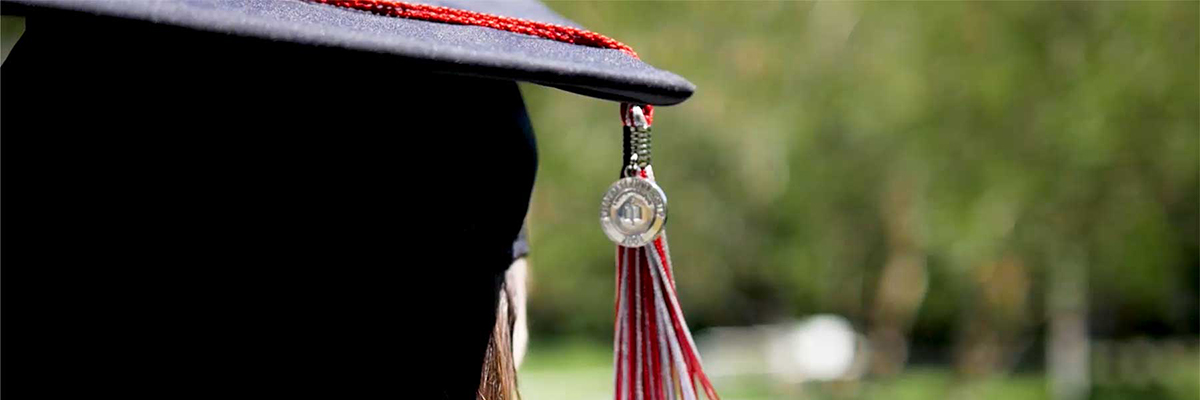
(344, 190)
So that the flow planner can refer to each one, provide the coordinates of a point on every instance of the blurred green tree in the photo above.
(965, 174)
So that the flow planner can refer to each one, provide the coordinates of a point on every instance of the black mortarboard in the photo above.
(444, 47)
(292, 195)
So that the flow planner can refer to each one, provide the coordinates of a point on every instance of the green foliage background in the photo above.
(994, 141)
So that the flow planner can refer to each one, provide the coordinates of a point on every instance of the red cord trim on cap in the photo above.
(449, 15)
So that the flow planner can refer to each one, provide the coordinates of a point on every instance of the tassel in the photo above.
(654, 354)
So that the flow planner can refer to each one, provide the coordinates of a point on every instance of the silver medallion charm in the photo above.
(633, 212)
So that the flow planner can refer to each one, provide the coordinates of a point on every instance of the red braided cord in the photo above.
(448, 15)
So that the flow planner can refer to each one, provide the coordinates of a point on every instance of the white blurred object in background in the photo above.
(822, 347)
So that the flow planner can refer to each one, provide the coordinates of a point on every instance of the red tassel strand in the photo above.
(655, 356)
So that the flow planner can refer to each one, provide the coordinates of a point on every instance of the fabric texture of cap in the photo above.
(458, 49)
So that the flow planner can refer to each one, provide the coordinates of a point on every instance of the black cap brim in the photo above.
(460, 49)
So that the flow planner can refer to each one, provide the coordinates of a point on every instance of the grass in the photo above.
(582, 370)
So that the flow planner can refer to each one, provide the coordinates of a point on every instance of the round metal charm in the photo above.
(633, 212)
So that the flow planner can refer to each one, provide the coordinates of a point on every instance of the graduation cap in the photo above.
(315, 193)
